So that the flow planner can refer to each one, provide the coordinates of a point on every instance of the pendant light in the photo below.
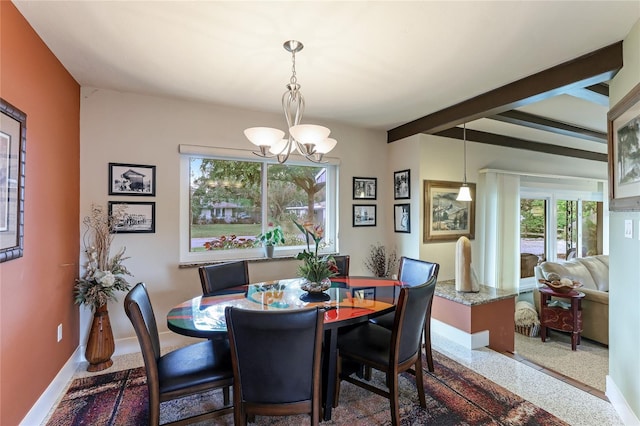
(464, 194)
(310, 140)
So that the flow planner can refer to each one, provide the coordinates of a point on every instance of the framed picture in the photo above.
(134, 216)
(445, 218)
(623, 130)
(402, 218)
(132, 179)
(13, 142)
(364, 188)
(401, 185)
(364, 214)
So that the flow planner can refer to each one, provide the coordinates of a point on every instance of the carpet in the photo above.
(455, 394)
(589, 364)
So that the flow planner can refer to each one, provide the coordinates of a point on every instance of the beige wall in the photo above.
(624, 273)
(36, 290)
(136, 129)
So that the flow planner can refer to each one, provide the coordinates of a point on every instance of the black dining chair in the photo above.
(276, 362)
(188, 370)
(220, 276)
(414, 272)
(390, 351)
(342, 262)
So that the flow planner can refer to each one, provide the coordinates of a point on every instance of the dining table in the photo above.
(350, 300)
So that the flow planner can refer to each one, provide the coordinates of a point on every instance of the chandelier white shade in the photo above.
(464, 194)
(310, 140)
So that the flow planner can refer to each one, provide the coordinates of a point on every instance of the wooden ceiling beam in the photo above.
(510, 142)
(597, 94)
(592, 68)
(541, 123)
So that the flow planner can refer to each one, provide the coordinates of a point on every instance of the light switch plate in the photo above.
(628, 228)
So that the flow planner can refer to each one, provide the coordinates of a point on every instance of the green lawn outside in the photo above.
(216, 230)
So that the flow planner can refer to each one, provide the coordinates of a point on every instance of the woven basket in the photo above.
(528, 330)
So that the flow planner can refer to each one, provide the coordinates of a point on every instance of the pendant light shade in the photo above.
(464, 194)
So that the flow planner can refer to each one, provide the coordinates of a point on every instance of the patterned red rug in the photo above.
(455, 396)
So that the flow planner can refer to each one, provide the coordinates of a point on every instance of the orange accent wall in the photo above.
(36, 290)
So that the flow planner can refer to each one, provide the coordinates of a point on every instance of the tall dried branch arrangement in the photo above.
(379, 262)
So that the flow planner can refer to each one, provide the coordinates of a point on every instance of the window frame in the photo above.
(254, 253)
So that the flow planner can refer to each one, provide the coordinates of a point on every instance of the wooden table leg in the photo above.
(575, 334)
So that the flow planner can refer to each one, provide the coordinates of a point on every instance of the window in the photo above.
(557, 225)
(231, 200)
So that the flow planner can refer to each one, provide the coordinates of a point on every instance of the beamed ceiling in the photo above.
(525, 74)
(584, 77)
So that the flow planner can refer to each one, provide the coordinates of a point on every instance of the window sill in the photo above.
(250, 260)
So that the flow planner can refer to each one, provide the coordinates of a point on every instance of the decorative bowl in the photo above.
(564, 285)
(313, 287)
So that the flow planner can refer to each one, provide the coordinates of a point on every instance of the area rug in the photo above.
(455, 396)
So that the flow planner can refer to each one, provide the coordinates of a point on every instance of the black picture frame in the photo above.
(365, 214)
(365, 188)
(402, 218)
(13, 149)
(138, 217)
(132, 179)
(402, 185)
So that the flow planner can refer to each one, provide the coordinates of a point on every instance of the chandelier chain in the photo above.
(293, 79)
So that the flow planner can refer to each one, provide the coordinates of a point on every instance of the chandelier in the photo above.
(310, 140)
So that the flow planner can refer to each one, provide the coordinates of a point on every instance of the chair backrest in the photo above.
(342, 262)
(220, 276)
(415, 271)
(411, 312)
(139, 310)
(275, 354)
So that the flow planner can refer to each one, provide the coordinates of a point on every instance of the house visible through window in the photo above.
(231, 201)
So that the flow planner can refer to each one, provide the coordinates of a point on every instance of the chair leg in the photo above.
(420, 382)
(392, 383)
(225, 395)
(336, 393)
(367, 373)
(427, 346)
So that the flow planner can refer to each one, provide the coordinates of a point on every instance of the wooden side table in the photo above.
(558, 318)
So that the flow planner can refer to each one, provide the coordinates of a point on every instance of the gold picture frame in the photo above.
(623, 133)
(445, 218)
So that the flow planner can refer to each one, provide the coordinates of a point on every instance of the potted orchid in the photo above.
(315, 269)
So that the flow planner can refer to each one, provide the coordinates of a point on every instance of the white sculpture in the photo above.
(465, 279)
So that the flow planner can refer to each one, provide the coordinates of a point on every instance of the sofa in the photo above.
(593, 273)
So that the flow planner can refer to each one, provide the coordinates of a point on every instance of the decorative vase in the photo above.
(100, 345)
(315, 291)
(268, 250)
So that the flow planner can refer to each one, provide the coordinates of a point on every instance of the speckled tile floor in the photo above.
(564, 400)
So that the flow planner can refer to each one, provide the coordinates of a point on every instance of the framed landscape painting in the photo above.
(623, 124)
(445, 218)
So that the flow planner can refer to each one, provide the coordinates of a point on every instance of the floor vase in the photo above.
(100, 345)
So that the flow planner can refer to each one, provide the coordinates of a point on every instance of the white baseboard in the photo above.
(39, 411)
(467, 340)
(620, 403)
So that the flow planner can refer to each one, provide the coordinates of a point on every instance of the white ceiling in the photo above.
(372, 64)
